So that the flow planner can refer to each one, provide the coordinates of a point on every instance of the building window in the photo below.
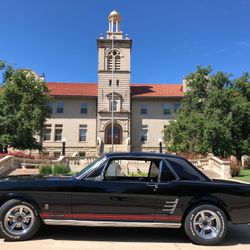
(82, 132)
(50, 107)
(110, 82)
(113, 105)
(116, 60)
(144, 133)
(59, 107)
(176, 107)
(144, 110)
(84, 108)
(117, 83)
(58, 132)
(166, 109)
(47, 132)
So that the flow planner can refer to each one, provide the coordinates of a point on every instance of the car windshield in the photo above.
(93, 165)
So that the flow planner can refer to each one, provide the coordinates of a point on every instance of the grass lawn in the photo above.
(244, 175)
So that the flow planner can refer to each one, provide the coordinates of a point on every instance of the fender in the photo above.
(19, 196)
(207, 199)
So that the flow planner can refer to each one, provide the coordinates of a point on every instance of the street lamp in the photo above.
(63, 146)
(160, 145)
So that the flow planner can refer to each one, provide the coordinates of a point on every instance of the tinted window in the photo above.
(185, 170)
(166, 173)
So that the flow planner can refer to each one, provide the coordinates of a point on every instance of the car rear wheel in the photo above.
(206, 225)
(19, 220)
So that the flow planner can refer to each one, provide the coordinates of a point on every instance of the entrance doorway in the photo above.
(117, 134)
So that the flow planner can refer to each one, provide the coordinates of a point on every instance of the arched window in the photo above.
(116, 59)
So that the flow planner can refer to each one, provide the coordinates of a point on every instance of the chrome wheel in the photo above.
(19, 220)
(207, 224)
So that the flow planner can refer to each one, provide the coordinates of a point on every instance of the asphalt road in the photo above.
(54, 237)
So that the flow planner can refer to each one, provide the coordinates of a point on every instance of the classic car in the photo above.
(126, 190)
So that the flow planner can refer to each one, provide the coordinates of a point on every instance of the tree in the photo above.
(24, 108)
(214, 115)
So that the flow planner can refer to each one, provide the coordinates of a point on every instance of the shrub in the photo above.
(234, 167)
(61, 169)
(17, 154)
(45, 170)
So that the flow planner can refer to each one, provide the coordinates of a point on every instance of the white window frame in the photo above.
(144, 133)
(83, 128)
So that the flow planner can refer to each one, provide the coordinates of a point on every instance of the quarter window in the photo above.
(166, 173)
(185, 170)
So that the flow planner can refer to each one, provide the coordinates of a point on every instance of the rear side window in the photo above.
(166, 173)
(185, 170)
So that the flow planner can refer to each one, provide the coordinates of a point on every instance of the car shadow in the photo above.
(237, 234)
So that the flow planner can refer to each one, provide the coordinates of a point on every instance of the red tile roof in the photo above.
(72, 89)
(156, 90)
(137, 90)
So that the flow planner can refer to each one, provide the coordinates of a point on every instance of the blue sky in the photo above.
(170, 37)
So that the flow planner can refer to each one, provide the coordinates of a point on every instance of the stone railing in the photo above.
(202, 164)
(6, 165)
(213, 163)
(222, 167)
(245, 161)
(10, 163)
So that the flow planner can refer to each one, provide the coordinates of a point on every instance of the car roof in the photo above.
(141, 154)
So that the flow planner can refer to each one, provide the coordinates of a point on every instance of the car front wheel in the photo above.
(206, 225)
(19, 220)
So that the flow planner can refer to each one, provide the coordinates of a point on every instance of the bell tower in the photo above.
(114, 50)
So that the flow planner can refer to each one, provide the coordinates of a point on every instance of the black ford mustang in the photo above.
(126, 190)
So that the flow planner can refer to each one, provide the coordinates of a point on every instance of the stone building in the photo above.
(81, 113)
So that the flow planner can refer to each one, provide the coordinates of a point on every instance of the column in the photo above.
(117, 23)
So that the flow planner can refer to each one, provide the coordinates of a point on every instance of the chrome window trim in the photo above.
(91, 169)
(172, 170)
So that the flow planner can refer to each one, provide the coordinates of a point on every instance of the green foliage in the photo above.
(24, 108)
(244, 175)
(45, 170)
(214, 116)
(61, 169)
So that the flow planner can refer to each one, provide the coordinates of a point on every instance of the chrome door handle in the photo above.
(155, 186)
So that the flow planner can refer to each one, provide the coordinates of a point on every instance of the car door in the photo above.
(123, 194)
(168, 209)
